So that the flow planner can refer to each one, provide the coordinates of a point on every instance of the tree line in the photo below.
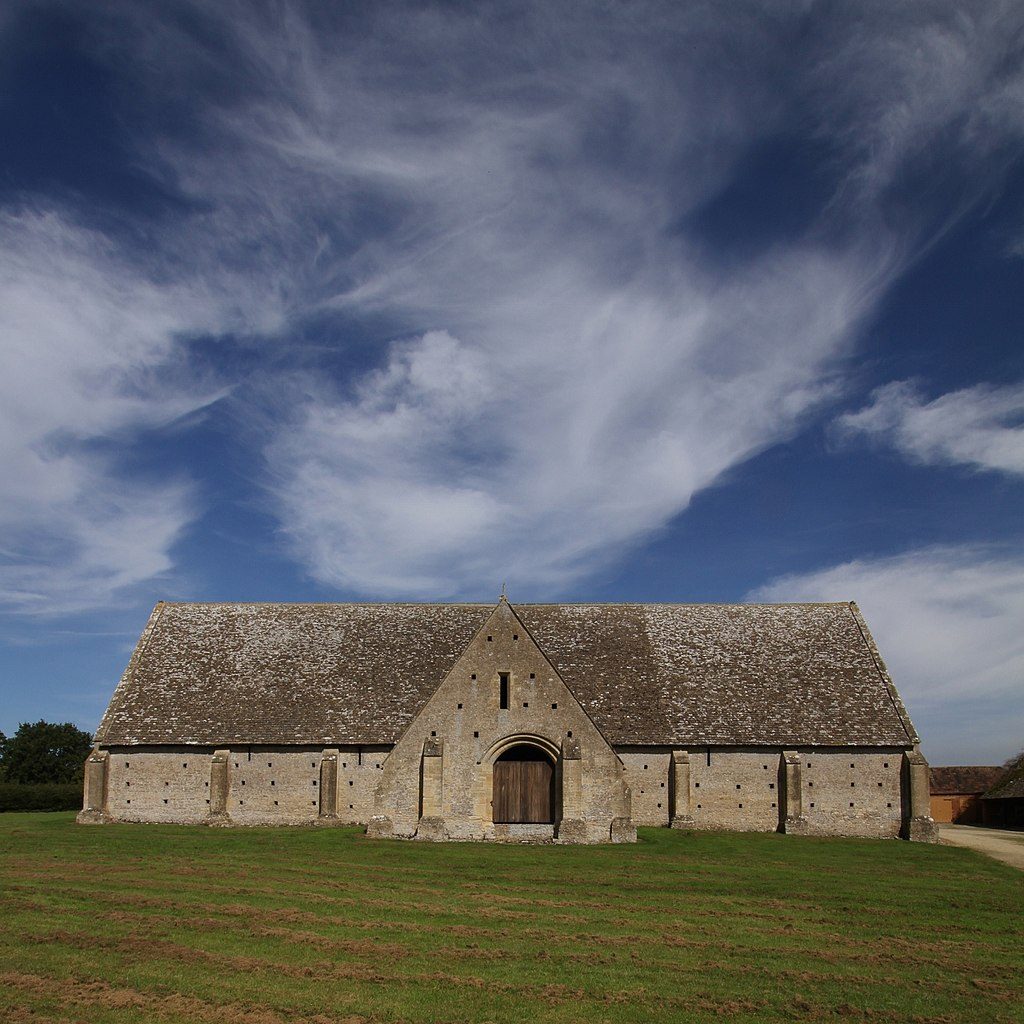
(42, 767)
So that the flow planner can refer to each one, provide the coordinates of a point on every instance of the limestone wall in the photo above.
(852, 793)
(159, 785)
(359, 773)
(844, 791)
(266, 785)
(647, 775)
(738, 789)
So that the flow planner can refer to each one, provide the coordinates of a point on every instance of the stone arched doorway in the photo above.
(523, 786)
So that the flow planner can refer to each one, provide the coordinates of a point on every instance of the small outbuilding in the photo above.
(956, 792)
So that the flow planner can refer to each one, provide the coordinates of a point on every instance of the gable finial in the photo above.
(503, 597)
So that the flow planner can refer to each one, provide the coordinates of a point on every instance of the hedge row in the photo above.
(42, 796)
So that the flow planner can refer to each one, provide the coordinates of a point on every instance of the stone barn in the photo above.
(571, 723)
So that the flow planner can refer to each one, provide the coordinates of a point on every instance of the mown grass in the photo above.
(172, 923)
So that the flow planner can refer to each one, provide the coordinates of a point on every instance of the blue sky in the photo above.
(648, 302)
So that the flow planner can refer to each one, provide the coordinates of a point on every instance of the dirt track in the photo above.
(1005, 846)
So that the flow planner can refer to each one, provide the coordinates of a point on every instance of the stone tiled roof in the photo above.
(1010, 785)
(964, 778)
(285, 673)
(647, 674)
(723, 674)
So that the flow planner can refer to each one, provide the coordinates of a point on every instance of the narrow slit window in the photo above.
(503, 691)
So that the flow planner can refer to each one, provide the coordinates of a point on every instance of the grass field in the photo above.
(173, 923)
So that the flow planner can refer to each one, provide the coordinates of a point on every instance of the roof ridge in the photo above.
(328, 604)
(520, 604)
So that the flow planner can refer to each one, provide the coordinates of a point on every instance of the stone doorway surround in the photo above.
(484, 786)
(523, 786)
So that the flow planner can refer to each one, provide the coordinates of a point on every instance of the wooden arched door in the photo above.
(524, 787)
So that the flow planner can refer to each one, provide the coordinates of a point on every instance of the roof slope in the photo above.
(964, 778)
(1010, 785)
(647, 674)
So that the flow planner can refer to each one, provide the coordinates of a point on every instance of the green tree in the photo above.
(46, 752)
(3, 750)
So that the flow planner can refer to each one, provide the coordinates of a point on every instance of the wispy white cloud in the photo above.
(507, 190)
(948, 623)
(981, 426)
(914, 88)
(88, 354)
(536, 451)
(621, 374)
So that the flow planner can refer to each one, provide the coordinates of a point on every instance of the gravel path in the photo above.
(1005, 846)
